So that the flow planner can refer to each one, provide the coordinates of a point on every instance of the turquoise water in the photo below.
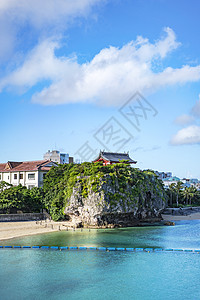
(52, 274)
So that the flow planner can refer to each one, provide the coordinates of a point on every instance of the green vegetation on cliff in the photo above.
(129, 185)
(113, 184)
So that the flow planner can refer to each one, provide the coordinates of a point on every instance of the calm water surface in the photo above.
(48, 274)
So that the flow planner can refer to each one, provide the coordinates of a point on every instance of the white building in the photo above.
(27, 173)
(168, 181)
(57, 157)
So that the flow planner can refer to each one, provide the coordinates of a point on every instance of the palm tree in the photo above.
(178, 188)
(186, 194)
(172, 191)
(193, 193)
(189, 193)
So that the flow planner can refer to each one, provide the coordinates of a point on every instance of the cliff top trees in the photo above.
(60, 182)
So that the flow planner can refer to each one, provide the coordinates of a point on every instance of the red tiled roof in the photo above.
(2, 167)
(12, 166)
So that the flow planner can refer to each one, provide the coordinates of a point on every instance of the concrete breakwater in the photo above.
(22, 217)
(185, 211)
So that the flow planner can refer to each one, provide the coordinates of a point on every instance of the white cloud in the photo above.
(190, 134)
(196, 108)
(40, 64)
(184, 120)
(40, 12)
(109, 78)
(41, 17)
(187, 136)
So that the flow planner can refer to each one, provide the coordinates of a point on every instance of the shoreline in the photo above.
(11, 230)
(178, 214)
(192, 216)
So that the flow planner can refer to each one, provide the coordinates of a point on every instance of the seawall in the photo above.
(21, 217)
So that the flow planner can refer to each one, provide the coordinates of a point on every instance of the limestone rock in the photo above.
(109, 204)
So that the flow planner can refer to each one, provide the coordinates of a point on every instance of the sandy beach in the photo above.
(10, 230)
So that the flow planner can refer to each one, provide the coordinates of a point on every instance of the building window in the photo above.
(15, 176)
(20, 176)
(31, 176)
(44, 174)
(0, 176)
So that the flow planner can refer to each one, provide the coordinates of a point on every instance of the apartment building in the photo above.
(27, 173)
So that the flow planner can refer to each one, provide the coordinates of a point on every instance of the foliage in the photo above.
(180, 196)
(13, 198)
(130, 186)
(4, 185)
(129, 183)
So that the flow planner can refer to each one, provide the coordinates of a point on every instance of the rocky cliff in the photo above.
(116, 196)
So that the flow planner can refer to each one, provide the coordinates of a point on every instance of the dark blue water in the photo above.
(49, 274)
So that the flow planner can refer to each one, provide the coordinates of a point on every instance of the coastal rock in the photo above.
(116, 203)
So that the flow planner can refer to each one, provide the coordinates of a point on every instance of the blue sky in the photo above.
(119, 75)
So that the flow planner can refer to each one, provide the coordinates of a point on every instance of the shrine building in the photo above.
(109, 158)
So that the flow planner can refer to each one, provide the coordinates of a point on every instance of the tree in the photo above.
(192, 193)
(172, 193)
(176, 189)
(4, 185)
(20, 198)
(186, 194)
(60, 182)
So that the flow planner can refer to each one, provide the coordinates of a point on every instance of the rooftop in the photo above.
(13, 166)
(171, 179)
(115, 157)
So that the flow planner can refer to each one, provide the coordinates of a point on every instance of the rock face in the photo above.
(111, 205)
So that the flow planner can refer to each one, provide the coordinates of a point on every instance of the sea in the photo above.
(94, 274)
